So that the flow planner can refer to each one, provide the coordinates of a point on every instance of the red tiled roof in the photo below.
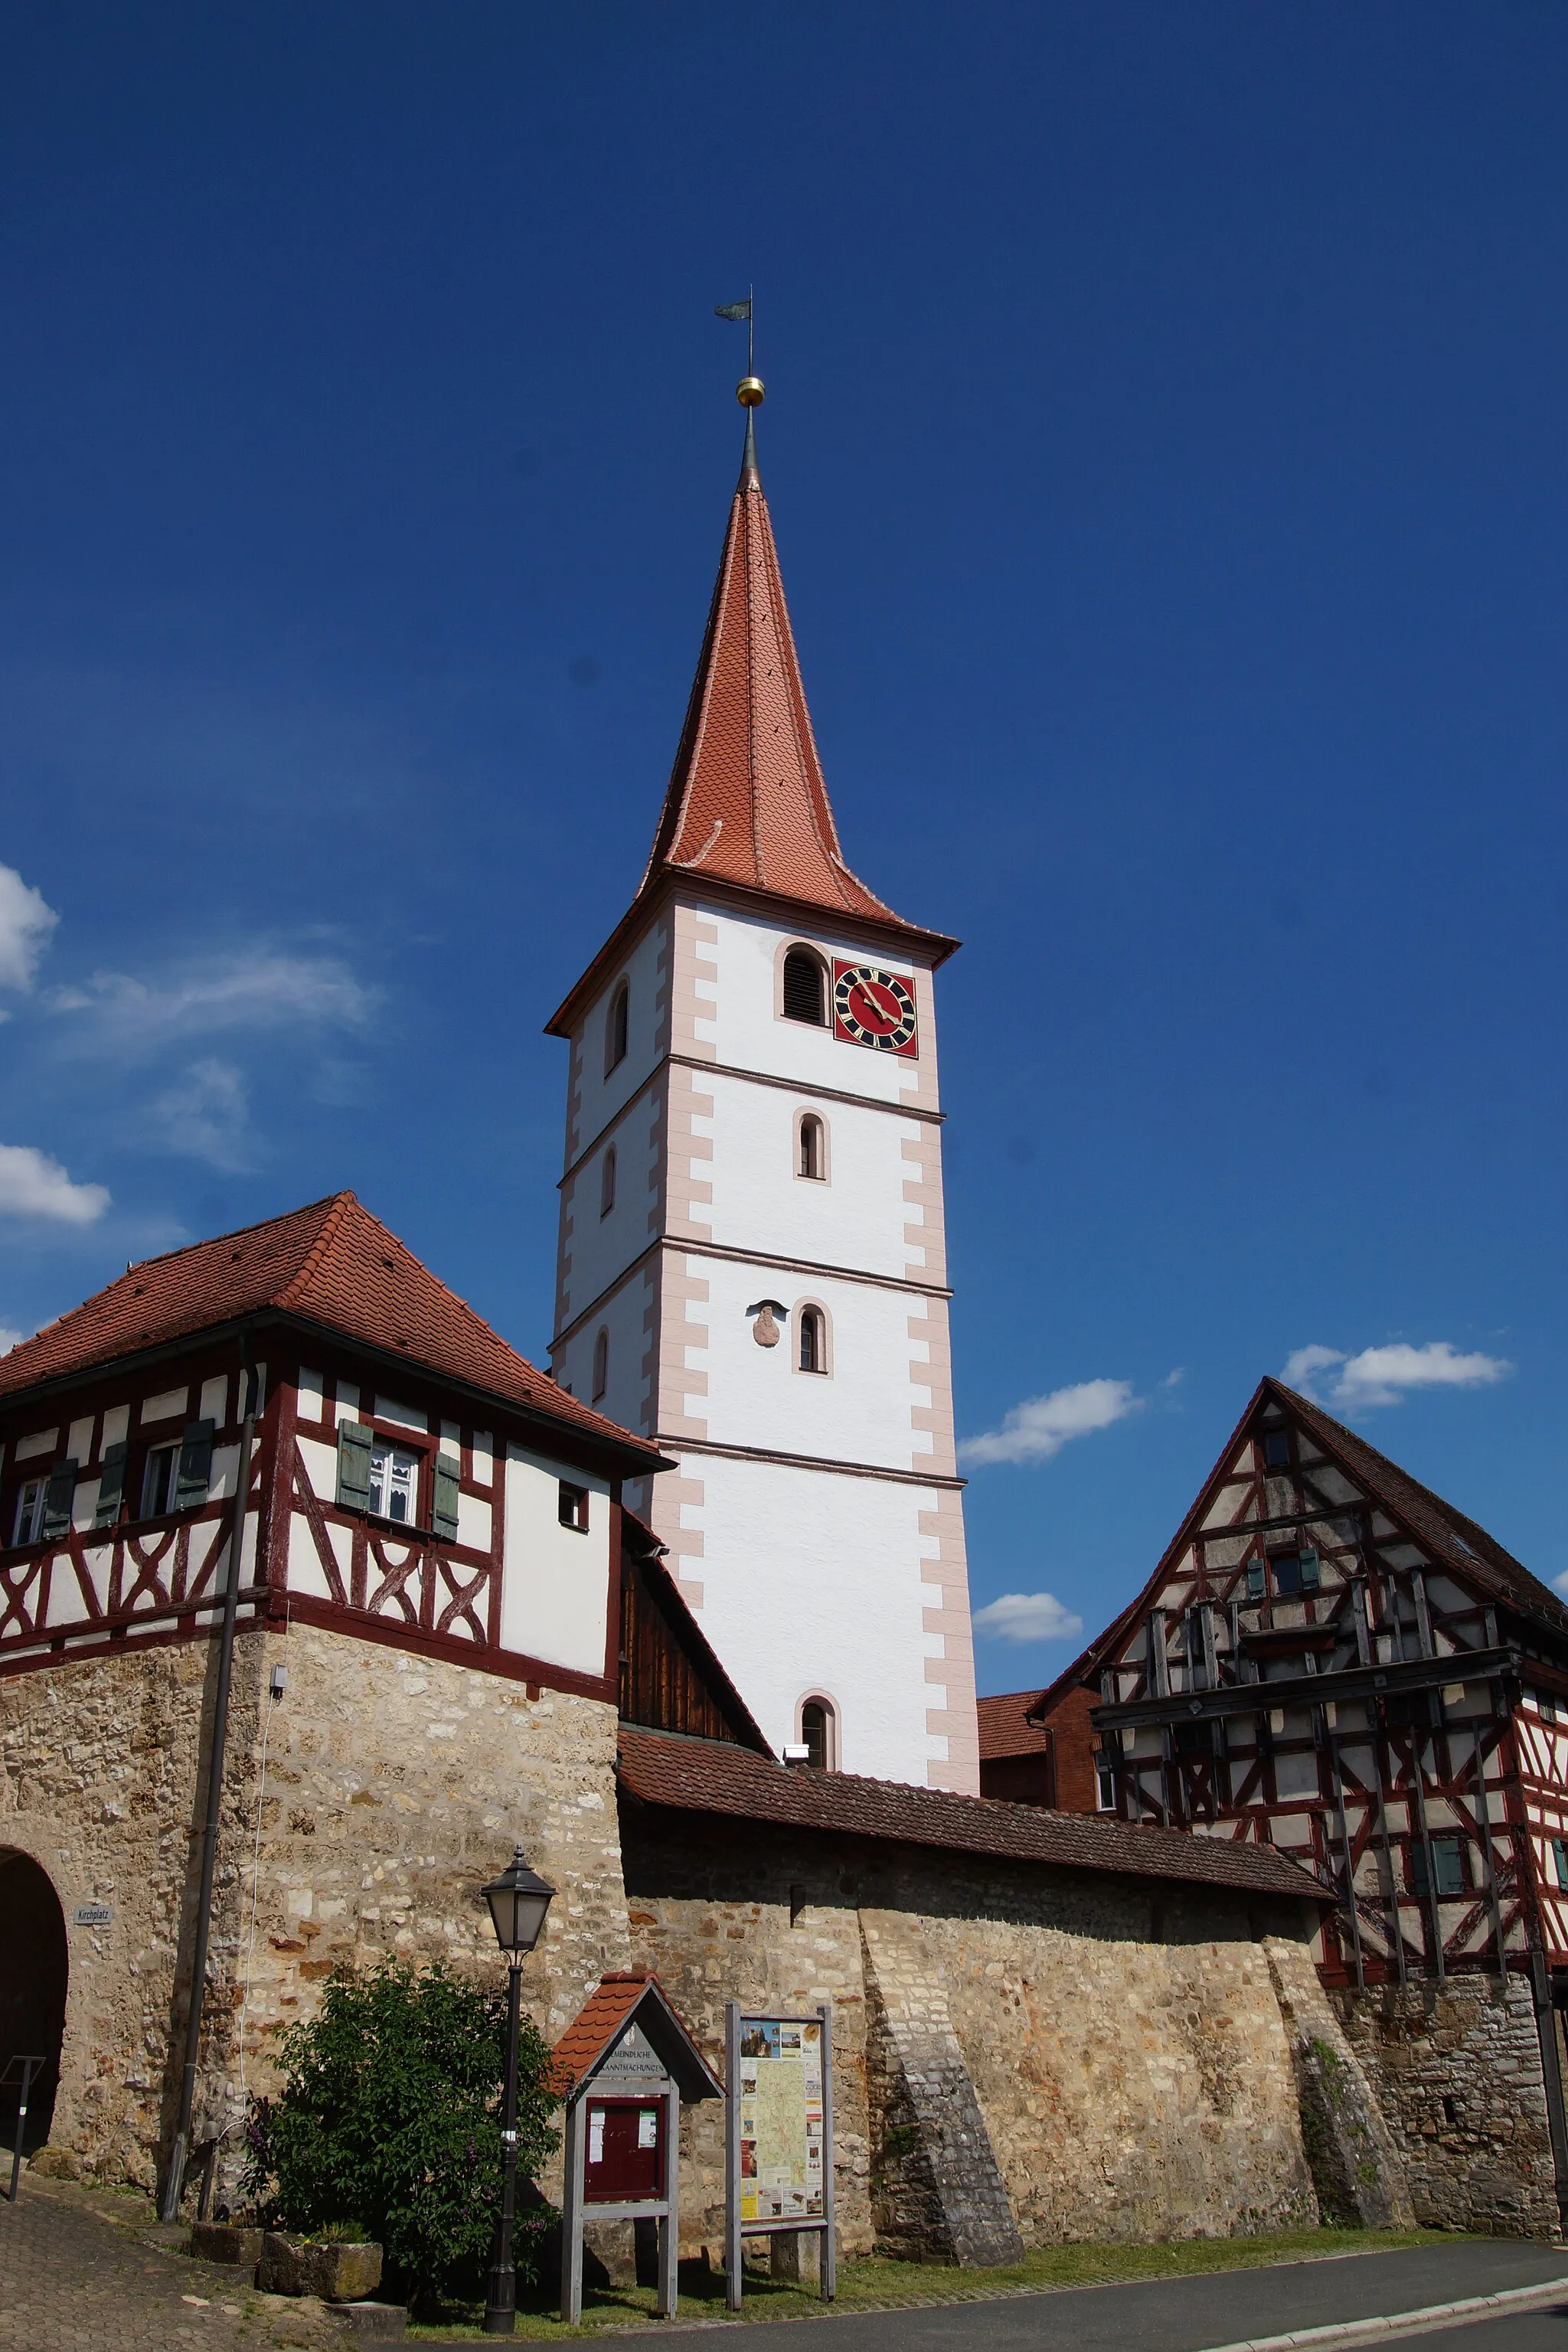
(747, 803)
(701, 1776)
(603, 2015)
(332, 1264)
(1006, 1729)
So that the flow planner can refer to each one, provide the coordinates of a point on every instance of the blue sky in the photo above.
(1164, 444)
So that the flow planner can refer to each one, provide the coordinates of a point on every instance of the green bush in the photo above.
(390, 2116)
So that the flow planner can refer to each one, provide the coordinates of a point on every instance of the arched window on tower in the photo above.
(805, 988)
(811, 1148)
(616, 1028)
(813, 1355)
(819, 1734)
(608, 1182)
(601, 1365)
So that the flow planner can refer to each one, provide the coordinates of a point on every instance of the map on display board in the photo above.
(781, 2119)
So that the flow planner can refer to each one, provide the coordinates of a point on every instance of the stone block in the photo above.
(371, 2322)
(226, 2241)
(55, 2164)
(338, 2274)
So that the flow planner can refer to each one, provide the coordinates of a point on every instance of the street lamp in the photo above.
(519, 1900)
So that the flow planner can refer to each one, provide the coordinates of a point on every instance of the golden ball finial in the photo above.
(750, 392)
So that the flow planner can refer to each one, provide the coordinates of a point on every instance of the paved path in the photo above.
(77, 2270)
(1226, 2308)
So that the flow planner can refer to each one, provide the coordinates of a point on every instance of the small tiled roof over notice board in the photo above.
(633, 1996)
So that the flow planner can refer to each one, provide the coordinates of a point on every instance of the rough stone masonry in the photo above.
(1023, 2054)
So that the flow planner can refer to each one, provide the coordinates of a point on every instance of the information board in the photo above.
(779, 2142)
(781, 2120)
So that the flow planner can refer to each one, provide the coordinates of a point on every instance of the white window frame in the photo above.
(28, 1524)
(171, 1453)
(394, 1469)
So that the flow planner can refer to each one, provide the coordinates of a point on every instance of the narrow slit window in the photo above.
(616, 1028)
(812, 1157)
(804, 995)
(601, 1365)
(813, 1340)
(608, 1182)
(1104, 1783)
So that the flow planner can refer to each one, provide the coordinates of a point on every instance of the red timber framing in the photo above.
(1332, 1660)
(118, 1461)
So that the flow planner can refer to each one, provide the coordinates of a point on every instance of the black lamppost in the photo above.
(519, 1900)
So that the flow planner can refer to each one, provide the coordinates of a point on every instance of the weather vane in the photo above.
(748, 391)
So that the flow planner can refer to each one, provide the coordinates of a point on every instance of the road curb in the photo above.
(1425, 2321)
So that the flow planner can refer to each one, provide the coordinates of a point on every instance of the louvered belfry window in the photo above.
(805, 998)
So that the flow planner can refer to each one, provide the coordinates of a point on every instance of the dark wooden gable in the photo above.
(671, 1678)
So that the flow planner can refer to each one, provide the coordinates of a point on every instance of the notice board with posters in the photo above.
(779, 2094)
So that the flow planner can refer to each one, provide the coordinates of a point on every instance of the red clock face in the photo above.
(876, 1008)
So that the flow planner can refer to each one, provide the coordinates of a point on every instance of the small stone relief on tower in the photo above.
(765, 1329)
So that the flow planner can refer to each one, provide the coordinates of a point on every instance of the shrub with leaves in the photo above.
(390, 2116)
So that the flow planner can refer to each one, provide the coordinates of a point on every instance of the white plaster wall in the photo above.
(813, 1581)
(629, 1398)
(555, 1582)
(858, 1412)
(603, 1247)
(747, 1033)
(856, 1218)
(602, 1096)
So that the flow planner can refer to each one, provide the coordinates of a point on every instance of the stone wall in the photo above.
(393, 1787)
(1121, 2052)
(1456, 2072)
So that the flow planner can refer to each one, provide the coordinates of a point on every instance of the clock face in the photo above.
(871, 1007)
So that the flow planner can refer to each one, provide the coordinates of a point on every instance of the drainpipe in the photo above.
(174, 2183)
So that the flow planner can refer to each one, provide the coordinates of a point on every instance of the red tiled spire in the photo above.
(746, 802)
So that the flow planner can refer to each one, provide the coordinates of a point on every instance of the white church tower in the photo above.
(752, 1266)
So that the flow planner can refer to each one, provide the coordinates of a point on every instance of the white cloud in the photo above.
(1029, 1617)
(26, 923)
(34, 1186)
(258, 990)
(1041, 1426)
(1386, 1375)
(1559, 1584)
(204, 1115)
(9, 1339)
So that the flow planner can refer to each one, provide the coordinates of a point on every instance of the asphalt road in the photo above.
(1532, 2331)
(1190, 2315)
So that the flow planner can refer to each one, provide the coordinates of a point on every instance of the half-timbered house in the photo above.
(1332, 1660)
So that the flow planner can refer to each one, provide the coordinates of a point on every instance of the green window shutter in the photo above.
(195, 1474)
(1257, 1580)
(448, 1473)
(1310, 1571)
(58, 1501)
(111, 1486)
(353, 1465)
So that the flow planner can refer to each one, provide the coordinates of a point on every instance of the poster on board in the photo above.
(781, 2120)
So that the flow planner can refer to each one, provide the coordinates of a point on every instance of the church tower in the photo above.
(752, 1265)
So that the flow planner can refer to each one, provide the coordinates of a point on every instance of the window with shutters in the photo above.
(1447, 1866)
(111, 1486)
(160, 1479)
(1559, 1860)
(574, 1507)
(805, 987)
(601, 1365)
(608, 1182)
(615, 1027)
(394, 1483)
(29, 1521)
